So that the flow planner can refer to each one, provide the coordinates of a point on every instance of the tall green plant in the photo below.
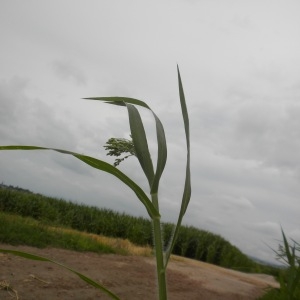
(289, 279)
(141, 151)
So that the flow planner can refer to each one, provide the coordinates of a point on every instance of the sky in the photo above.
(240, 67)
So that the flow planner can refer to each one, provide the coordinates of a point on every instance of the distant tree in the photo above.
(119, 146)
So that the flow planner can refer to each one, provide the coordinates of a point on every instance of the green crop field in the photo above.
(25, 218)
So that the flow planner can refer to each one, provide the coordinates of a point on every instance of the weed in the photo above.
(289, 277)
(142, 153)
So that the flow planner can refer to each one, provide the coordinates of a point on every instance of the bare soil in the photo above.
(130, 277)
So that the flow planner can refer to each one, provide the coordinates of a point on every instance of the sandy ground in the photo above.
(130, 277)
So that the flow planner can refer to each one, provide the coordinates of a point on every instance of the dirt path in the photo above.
(130, 277)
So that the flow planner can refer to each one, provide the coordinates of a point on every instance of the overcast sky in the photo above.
(240, 66)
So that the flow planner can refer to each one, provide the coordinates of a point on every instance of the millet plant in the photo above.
(151, 202)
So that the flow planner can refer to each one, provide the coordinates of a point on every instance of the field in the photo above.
(114, 249)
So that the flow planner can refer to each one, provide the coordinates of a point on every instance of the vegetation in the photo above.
(153, 176)
(289, 277)
(192, 242)
(16, 230)
(119, 146)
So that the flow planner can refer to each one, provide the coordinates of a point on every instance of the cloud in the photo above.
(236, 203)
(256, 127)
(28, 120)
(295, 234)
(13, 109)
(266, 228)
(67, 70)
(269, 133)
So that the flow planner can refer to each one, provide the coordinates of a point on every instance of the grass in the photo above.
(289, 277)
(17, 230)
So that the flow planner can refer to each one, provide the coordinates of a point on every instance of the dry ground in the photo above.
(130, 277)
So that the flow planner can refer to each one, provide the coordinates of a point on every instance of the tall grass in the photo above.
(289, 277)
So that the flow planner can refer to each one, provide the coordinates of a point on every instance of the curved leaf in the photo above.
(103, 166)
(187, 186)
(161, 153)
(140, 142)
(119, 101)
(83, 277)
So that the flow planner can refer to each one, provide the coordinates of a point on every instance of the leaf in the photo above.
(289, 256)
(140, 142)
(161, 153)
(119, 101)
(83, 277)
(187, 186)
(103, 166)
(161, 138)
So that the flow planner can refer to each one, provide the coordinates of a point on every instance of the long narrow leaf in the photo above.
(140, 142)
(187, 186)
(103, 166)
(119, 100)
(287, 250)
(161, 138)
(83, 277)
(161, 153)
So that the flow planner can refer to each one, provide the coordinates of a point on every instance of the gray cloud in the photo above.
(69, 71)
(28, 120)
(266, 227)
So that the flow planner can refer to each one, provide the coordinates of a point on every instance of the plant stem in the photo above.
(158, 245)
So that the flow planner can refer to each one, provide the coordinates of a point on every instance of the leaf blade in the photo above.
(187, 186)
(140, 142)
(119, 100)
(161, 153)
(103, 166)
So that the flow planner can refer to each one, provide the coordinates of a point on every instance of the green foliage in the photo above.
(17, 230)
(118, 147)
(271, 294)
(289, 277)
(191, 242)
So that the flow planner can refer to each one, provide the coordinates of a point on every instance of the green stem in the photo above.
(158, 245)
